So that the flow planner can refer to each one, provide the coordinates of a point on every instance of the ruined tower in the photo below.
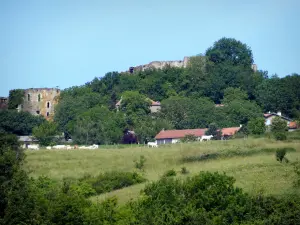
(40, 101)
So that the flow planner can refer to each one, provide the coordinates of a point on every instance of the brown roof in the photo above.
(179, 133)
(267, 114)
(230, 130)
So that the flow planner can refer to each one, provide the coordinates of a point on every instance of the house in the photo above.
(173, 136)
(154, 107)
(27, 140)
(270, 116)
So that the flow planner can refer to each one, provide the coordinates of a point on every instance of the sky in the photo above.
(63, 43)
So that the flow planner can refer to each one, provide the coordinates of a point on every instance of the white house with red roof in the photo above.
(174, 136)
(270, 116)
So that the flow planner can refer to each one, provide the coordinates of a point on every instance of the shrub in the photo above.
(189, 138)
(184, 170)
(280, 136)
(280, 154)
(170, 173)
(110, 181)
(83, 188)
(141, 163)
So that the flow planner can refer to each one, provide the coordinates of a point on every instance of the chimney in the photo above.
(241, 125)
(279, 113)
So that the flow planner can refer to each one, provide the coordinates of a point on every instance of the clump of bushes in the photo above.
(170, 173)
(234, 153)
(110, 181)
(188, 138)
(184, 170)
(141, 163)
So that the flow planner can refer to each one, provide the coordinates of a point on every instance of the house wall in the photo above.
(155, 108)
(164, 141)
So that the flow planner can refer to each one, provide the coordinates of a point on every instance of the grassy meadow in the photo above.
(251, 161)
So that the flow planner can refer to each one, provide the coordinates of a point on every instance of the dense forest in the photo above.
(188, 96)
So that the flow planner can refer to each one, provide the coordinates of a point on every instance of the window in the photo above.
(39, 98)
(28, 97)
(47, 114)
(48, 105)
(38, 112)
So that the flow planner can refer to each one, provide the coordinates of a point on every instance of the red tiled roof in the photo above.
(179, 133)
(293, 125)
(230, 130)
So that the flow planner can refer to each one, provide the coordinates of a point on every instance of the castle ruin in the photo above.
(160, 65)
(40, 101)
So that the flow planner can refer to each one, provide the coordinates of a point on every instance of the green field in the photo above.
(251, 161)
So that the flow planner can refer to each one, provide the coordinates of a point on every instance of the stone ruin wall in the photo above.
(160, 65)
(40, 101)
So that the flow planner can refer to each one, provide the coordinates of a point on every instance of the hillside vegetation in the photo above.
(223, 74)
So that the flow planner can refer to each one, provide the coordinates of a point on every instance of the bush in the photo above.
(184, 170)
(189, 138)
(110, 181)
(280, 154)
(83, 188)
(170, 173)
(141, 163)
(280, 136)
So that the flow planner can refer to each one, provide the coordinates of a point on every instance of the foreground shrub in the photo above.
(110, 181)
(280, 154)
(280, 136)
(209, 198)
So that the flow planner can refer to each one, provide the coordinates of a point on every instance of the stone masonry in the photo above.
(40, 101)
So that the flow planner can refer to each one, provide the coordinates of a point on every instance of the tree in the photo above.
(97, 125)
(19, 123)
(214, 130)
(231, 51)
(279, 128)
(46, 133)
(257, 126)
(15, 98)
(231, 94)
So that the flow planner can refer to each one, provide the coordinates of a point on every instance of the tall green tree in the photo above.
(19, 123)
(46, 133)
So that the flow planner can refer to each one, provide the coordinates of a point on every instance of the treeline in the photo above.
(188, 96)
(207, 198)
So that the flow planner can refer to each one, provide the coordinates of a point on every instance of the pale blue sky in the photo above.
(48, 43)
